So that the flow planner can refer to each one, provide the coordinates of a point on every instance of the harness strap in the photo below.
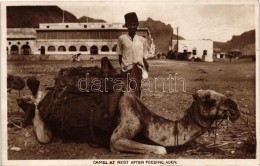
(94, 142)
(176, 133)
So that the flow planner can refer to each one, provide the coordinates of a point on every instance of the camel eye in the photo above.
(210, 102)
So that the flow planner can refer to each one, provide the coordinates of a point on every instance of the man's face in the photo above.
(132, 28)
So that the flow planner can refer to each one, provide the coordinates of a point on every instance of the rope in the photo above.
(93, 138)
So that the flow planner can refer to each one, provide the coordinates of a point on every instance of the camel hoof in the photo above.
(161, 150)
(44, 138)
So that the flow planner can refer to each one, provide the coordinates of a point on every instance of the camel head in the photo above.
(27, 105)
(213, 106)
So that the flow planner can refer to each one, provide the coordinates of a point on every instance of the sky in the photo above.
(218, 21)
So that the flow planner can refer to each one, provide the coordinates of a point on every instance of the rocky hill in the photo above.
(244, 42)
(31, 16)
(89, 19)
(160, 32)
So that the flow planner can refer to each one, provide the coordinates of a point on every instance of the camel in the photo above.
(132, 119)
(15, 82)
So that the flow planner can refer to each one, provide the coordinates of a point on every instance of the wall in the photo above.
(200, 45)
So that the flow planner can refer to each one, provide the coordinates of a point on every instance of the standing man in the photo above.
(132, 50)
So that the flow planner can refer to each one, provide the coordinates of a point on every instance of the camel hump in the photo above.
(77, 106)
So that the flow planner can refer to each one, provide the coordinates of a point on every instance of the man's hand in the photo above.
(146, 65)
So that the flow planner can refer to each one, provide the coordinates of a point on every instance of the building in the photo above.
(202, 49)
(59, 41)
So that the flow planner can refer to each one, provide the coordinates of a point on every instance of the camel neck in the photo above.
(176, 133)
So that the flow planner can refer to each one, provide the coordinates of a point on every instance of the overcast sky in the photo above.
(218, 22)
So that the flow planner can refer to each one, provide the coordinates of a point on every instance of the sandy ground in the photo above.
(234, 140)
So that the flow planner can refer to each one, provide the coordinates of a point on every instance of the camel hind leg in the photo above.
(43, 134)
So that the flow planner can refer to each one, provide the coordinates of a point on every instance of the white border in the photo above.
(194, 162)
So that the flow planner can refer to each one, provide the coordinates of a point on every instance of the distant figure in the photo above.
(230, 58)
(76, 57)
(91, 59)
(15, 82)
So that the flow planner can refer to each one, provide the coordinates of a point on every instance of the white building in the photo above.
(202, 49)
(60, 41)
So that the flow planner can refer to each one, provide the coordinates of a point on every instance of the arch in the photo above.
(14, 50)
(83, 48)
(61, 49)
(185, 49)
(194, 51)
(114, 48)
(42, 49)
(93, 50)
(104, 48)
(51, 49)
(72, 48)
(26, 49)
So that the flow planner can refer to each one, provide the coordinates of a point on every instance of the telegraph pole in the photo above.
(177, 39)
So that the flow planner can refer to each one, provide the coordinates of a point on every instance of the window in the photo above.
(10, 43)
(67, 26)
(114, 48)
(194, 51)
(61, 35)
(104, 49)
(204, 52)
(52, 35)
(61, 49)
(94, 50)
(51, 49)
(185, 49)
(85, 26)
(47, 26)
(102, 26)
(94, 35)
(104, 35)
(26, 49)
(18, 42)
(14, 50)
(83, 48)
(72, 48)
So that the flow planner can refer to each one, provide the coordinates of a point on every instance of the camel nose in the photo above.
(232, 109)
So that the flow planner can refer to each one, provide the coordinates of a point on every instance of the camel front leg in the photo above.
(121, 140)
(127, 145)
(43, 134)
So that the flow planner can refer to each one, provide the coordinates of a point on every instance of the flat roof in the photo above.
(86, 29)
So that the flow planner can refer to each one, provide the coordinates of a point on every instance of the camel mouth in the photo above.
(231, 114)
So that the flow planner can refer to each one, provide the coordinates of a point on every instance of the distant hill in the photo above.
(244, 42)
(31, 16)
(160, 32)
(89, 19)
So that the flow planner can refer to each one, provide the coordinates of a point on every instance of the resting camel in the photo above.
(132, 119)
